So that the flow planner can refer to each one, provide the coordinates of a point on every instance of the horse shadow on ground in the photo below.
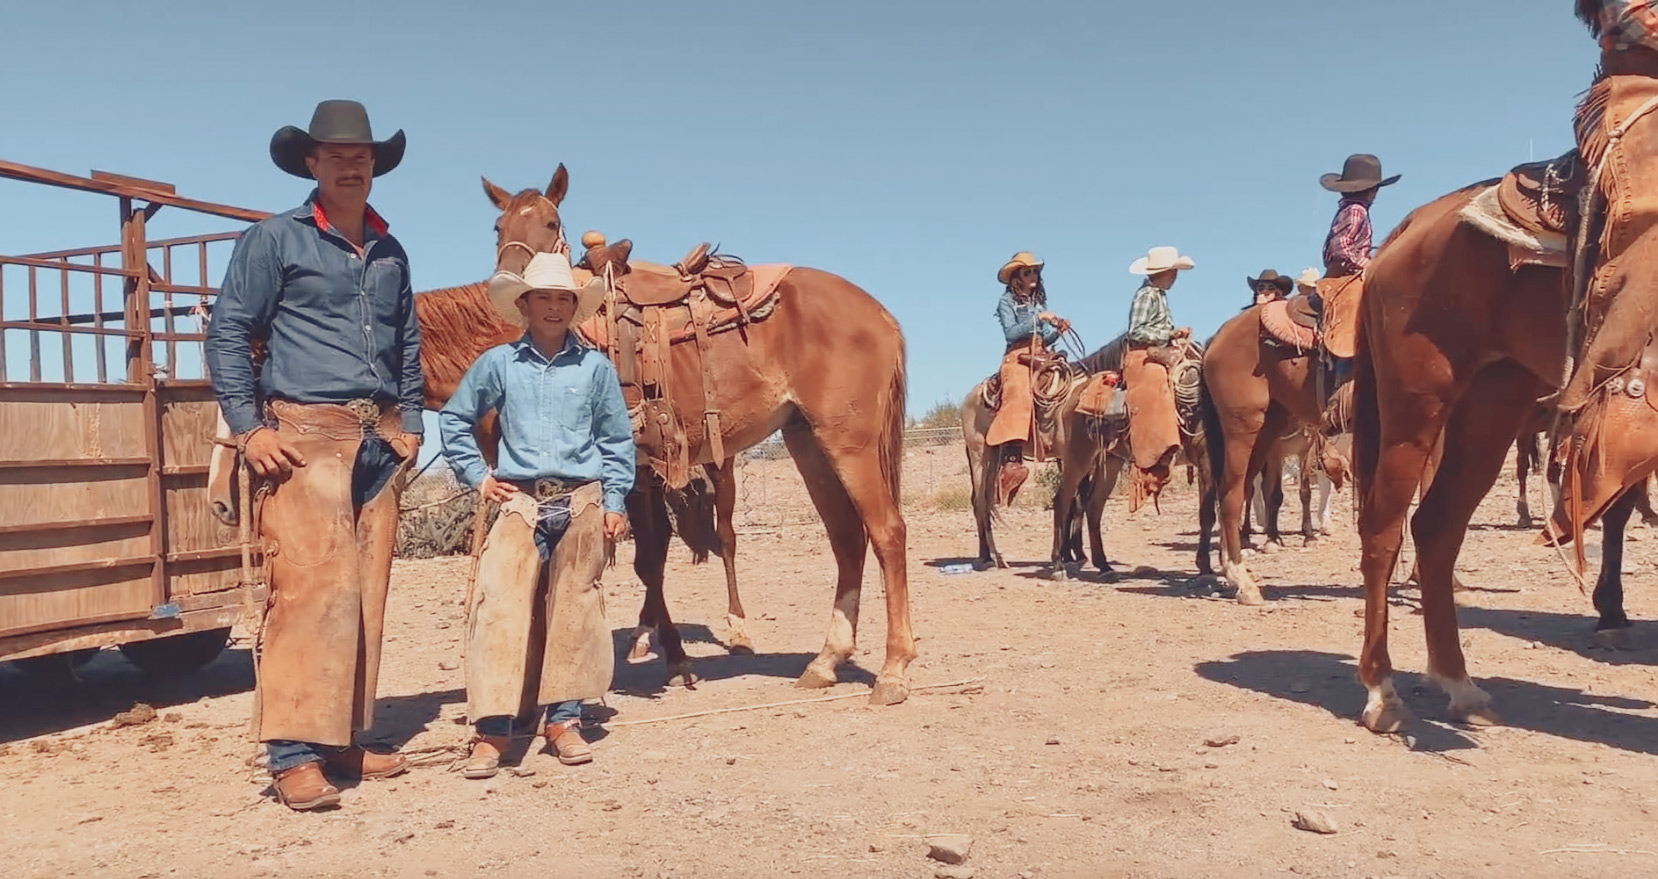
(64, 699)
(649, 679)
(974, 561)
(1330, 681)
(1573, 633)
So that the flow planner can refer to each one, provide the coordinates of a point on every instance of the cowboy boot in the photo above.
(566, 741)
(357, 764)
(485, 759)
(1013, 472)
(304, 788)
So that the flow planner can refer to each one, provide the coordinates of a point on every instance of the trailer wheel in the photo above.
(56, 664)
(177, 654)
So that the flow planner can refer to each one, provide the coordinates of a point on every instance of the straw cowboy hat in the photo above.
(1268, 276)
(334, 122)
(1024, 259)
(1361, 171)
(1309, 279)
(1160, 259)
(546, 271)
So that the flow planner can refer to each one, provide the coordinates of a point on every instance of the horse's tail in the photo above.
(892, 428)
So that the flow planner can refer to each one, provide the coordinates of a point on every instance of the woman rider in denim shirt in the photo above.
(1029, 329)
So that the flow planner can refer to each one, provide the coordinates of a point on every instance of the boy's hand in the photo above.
(615, 526)
(496, 490)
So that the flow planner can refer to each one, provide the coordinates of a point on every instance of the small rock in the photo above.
(173, 717)
(445, 824)
(876, 847)
(539, 783)
(449, 665)
(1053, 740)
(954, 873)
(1314, 822)
(1027, 875)
(398, 836)
(140, 714)
(1330, 783)
(1222, 741)
(951, 848)
(90, 819)
(521, 772)
(731, 761)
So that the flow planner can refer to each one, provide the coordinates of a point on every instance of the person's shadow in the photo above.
(60, 696)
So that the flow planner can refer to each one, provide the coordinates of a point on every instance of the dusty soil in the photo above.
(1084, 753)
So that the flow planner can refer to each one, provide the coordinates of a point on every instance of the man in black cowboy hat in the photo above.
(1347, 247)
(325, 424)
(1270, 286)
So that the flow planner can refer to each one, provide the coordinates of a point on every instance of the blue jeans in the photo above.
(550, 526)
(286, 755)
(557, 713)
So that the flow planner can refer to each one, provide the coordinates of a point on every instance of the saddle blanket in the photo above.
(1525, 247)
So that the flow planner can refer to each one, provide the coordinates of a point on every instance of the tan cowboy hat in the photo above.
(334, 122)
(546, 271)
(1268, 276)
(1160, 259)
(1309, 278)
(1024, 259)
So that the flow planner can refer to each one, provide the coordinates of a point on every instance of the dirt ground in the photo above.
(1081, 751)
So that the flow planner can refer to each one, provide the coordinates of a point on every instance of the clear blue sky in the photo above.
(909, 146)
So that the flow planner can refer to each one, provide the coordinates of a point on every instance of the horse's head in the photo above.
(529, 222)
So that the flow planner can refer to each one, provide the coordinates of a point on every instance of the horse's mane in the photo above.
(1589, 122)
(456, 325)
(1109, 358)
(1588, 12)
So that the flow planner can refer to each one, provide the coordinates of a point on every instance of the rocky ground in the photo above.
(1136, 725)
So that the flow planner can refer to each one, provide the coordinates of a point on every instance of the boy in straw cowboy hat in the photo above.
(536, 630)
(1029, 328)
(1150, 323)
(326, 425)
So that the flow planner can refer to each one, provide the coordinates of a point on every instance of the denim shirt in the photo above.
(1019, 321)
(562, 417)
(339, 326)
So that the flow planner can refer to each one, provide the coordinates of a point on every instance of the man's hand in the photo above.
(615, 525)
(406, 445)
(1183, 333)
(495, 490)
(270, 455)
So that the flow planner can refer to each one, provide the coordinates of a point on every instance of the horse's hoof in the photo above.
(1613, 639)
(740, 647)
(1059, 574)
(815, 678)
(1312, 541)
(1272, 547)
(641, 650)
(889, 692)
(1000, 564)
(1386, 717)
(1476, 715)
(681, 675)
(1250, 597)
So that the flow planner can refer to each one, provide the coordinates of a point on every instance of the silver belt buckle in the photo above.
(550, 489)
(366, 410)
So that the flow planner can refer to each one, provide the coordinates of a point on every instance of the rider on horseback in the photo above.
(1029, 328)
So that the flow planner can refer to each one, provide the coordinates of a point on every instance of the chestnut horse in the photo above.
(1253, 389)
(826, 367)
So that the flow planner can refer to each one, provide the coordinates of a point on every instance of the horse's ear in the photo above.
(560, 186)
(498, 196)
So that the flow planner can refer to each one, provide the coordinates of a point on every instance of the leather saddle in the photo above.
(1541, 197)
(726, 280)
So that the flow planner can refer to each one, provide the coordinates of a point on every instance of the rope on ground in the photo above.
(969, 683)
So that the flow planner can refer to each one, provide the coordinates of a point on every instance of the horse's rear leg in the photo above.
(1477, 438)
(648, 513)
(865, 510)
(1612, 629)
(1522, 469)
(1643, 502)
(1245, 452)
(725, 509)
(1272, 484)
(847, 540)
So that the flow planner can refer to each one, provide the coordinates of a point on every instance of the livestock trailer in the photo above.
(107, 428)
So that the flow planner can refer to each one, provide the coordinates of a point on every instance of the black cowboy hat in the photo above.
(1268, 276)
(334, 122)
(1360, 172)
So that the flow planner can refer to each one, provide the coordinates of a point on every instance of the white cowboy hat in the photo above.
(1309, 278)
(546, 271)
(1160, 259)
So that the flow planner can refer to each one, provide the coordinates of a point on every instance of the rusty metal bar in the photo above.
(127, 192)
(185, 470)
(46, 527)
(50, 463)
(197, 555)
(34, 335)
(167, 309)
(38, 326)
(68, 349)
(141, 369)
(57, 264)
(116, 248)
(36, 392)
(98, 316)
(2, 329)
